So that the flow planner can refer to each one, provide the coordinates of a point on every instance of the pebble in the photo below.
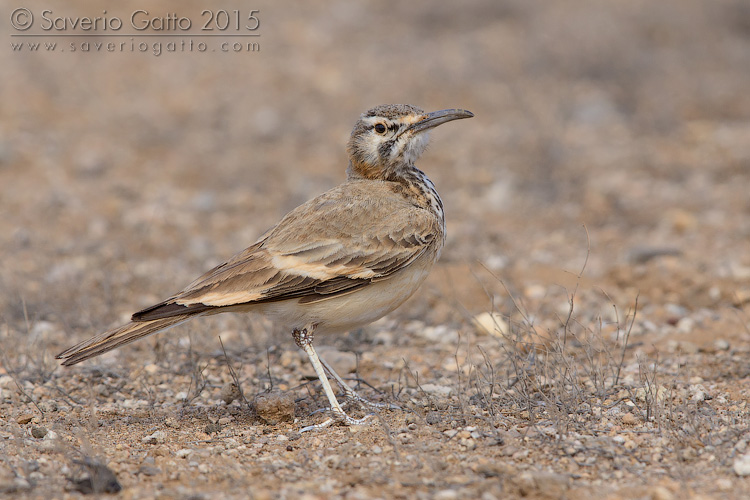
(6, 381)
(535, 291)
(229, 392)
(24, 418)
(433, 418)
(49, 441)
(698, 393)
(172, 423)
(383, 337)
(439, 390)
(446, 495)
(275, 407)
(21, 484)
(741, 445)
(440, 334)
(629, 419)
(660, 493)
(38, 432)
(155, 438)
(686, 325)
(682, 346)
(724, 484)
(468, 443)
(149, 470)
(492, 323)
(543, 484)
(721, 345)
(211, 428)
(741, 465)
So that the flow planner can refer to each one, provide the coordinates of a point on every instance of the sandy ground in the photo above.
(585, 335)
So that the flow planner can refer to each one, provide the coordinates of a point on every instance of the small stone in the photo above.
(741, 465)
(468, 443)
(172, 423)
(229, 392)
(685, 325)
(440, 334)
(682, 346)
(149, 470)
(724, 484)
(155, 438)
(446, 495)
(48, 406)
(24, 418)
(223, 421)
(96, 478)
(543, 484)
(275, 407)
(660, 493)
(211, 428)
(433, 418)
(629, 419)
(38, 432)
(492, 323)
(356, 429)
(21, 484)
(535, 291)
(721, 345)
(383, 338)
(438, 390)
(698, 393)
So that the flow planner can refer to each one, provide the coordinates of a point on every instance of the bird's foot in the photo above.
(338, 418)
(353, 397)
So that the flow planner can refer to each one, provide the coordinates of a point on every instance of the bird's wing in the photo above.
(336, 243)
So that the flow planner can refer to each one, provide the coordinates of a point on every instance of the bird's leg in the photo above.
(351, 395)
(304, 339)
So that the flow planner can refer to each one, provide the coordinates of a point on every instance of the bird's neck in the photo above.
(411, 182)
(420, 191)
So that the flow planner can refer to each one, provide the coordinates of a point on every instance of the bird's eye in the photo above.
(380, 128)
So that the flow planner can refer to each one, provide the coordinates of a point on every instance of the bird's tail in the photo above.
(117, 337)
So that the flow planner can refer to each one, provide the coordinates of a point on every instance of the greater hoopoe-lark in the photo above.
(339, 261)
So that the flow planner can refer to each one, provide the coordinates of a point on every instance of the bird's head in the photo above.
(390, 138)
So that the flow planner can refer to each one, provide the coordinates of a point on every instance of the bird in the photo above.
(337, 262)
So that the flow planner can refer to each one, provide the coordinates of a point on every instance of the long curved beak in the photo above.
(432, 120)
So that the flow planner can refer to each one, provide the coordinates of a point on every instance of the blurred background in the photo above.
(611, 133)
